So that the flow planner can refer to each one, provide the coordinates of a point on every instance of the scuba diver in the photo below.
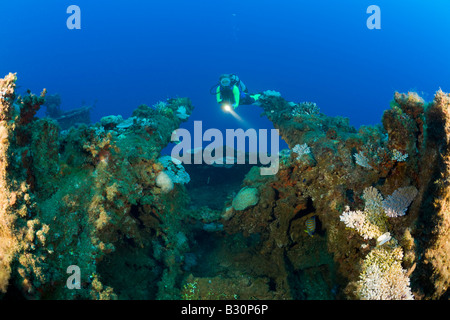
(231, 92)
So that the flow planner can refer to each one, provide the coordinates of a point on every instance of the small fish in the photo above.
(310, 224)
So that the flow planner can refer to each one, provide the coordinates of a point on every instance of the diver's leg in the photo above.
(246, 99)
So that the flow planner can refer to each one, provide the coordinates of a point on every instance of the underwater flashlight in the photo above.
(227, 108)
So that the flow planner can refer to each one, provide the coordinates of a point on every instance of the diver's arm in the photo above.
(236, 94)
(218, 97)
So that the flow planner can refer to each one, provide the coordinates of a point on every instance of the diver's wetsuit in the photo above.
(235, 94)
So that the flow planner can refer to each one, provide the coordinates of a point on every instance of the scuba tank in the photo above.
(234, 81)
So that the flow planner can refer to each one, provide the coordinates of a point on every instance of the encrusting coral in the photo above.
(434, 221)
(8, 198)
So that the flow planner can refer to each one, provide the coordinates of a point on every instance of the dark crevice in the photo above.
(213, 186)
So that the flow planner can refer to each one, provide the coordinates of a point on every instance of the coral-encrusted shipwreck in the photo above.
(88, 197)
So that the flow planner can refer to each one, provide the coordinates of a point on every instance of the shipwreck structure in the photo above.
(346, 208)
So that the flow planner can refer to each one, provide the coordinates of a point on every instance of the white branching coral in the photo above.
(301, 150)
(160, 106)
(370, 223)
(359, 221)
(308, 108)
(396, 204)
(399, 156)
(362, 160)
(181, 113)
(373, 200)
(382, 276)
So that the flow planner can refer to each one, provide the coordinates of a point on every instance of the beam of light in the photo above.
(229, 109)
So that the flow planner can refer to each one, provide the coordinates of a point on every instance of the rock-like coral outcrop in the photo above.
(8, 198)
(433, 221)
(81, 196)
(404, 159)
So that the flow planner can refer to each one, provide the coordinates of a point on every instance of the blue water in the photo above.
(133, 52)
